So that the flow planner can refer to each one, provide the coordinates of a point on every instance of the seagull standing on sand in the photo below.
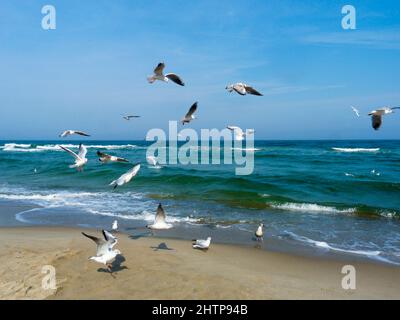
(159, 75)
(242, 89)
(201, 244)
(72, 132)
(126, 177)
(356, 111)
(259, 232)
(159, 221)
(377, 116)
(130, 117)
(189, 116)
(105, 252)
(114, 226)
(105, 158)
(80, 158)
(238, 132)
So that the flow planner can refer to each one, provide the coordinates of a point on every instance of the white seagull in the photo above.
(356, 111)
(105, 158)
(130, 117)
(242, 89)
(238, 132)
(202, 244)
(259, 232)
(126, 177)
(105, 252)
(377, 116)
(159, 75)
(114, 226)
(189, 116)
(80, 158)
(159, 221)
(72, 132)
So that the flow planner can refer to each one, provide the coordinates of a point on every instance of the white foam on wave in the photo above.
(310, 207)
(246, 149)
(15, 147)
(356, 149)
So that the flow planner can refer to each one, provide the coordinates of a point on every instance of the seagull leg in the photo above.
(109, 267)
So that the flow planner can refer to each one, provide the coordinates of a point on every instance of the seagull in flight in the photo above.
(356, 111)
(80, 158)
(189, 116)
(129, 117)
(259, 232)
(151, 160)
(242, 89)
(159, 221)
(202, 244)
(159, 75)
(72, 132)
(377, 116)
(238, 132)
(105, 253)
(126, 177)
(105, 158)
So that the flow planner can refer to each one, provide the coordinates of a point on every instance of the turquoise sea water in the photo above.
(341, 196)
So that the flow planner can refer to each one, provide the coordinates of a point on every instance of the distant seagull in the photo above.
(105, 158)
(72, 132)
(130, 117)
(105, 252)
(159, 221)
(238, 132)
(35, 170)
(151, 161)
(80, 158)
(159, 75)
(356, 111)
(242, 89)
(114, 226)
(126, 177)
(202, 244)
(189, 116)
(259, 232)
(377, 116)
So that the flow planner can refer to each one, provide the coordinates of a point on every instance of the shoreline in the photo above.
(160, 268)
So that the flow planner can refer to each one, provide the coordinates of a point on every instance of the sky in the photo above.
(92, 68)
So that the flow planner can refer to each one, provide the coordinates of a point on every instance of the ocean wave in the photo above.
(356, 149)
(311, 207)
(15, 147)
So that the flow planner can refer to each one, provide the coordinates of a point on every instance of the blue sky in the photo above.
(92, 69)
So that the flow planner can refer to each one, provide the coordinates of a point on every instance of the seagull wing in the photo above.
(103, 155)
(175, 78)
(239, 88)
(122, 160)
(159, 69)
(102, 246)
(82, 151)
(251, 90)
(376, 121)
(110, 238)
(70, 152)
(160, 215)
(82, 133)
(192, 110)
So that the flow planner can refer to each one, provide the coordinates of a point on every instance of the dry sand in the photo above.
(145, 272)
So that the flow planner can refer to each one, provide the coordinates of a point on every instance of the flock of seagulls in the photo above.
(376, 115)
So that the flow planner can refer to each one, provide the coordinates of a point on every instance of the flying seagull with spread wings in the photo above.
(159, 221)
(104, 253)
(238, 132)
(129, 117)
(126, 177)
(356, 111)
(80, 158)
(72, 132)
(378, 114)
(105, 158)
(242, 89)
(159, 75)
(190, 115)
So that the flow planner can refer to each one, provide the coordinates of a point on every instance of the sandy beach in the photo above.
(155, 268)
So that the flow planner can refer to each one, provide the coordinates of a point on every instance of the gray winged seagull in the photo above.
(129, 117)
(190, 115)
(159, 221)
(238, 132)
(72, 132)
(105, 158)
(242, 89)
(80, 158)
(201, 244)
(377, 116)
(159, 75)
(259, 232)
(126, 177)
(104, 253)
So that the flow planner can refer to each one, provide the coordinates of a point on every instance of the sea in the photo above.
(314, 197)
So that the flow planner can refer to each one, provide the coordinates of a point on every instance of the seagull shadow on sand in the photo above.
(116, 266)
(161, 246)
